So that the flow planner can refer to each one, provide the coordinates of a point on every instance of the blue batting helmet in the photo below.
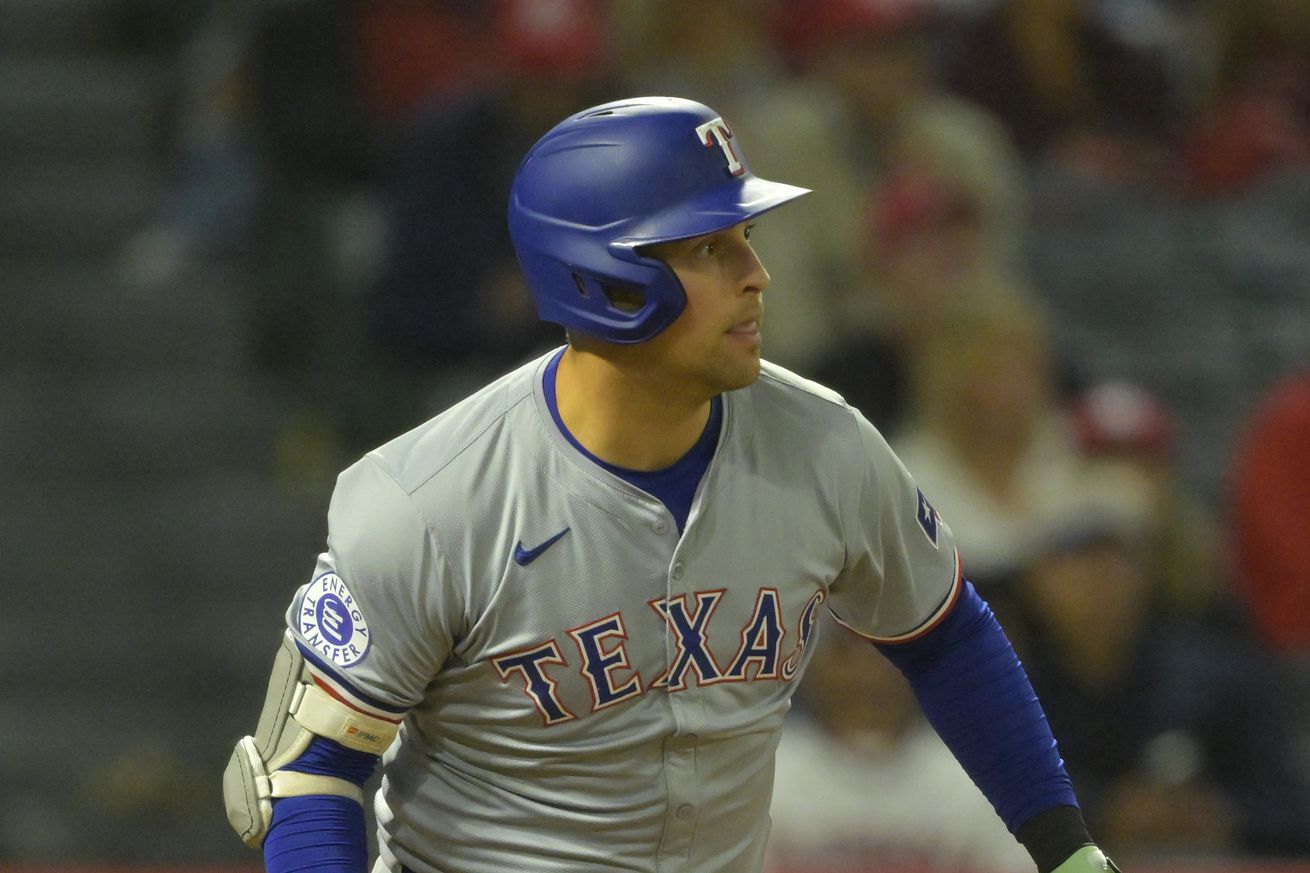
(607, 181)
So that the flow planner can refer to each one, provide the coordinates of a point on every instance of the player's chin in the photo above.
(742, 369)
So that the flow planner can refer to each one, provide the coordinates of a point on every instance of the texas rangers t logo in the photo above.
(718, 131)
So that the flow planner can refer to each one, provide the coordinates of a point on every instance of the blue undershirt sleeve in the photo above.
(976, 695)
(323, 833)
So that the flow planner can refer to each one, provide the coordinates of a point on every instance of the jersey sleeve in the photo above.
(902, 571)
(382, 611)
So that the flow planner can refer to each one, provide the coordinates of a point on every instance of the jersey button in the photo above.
(660, 526)
(684, 811)
(678, 570)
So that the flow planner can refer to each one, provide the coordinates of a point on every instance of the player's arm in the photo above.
(906, 573)
(321, 832)
(295, 787)
(364, 638)
(977, 696)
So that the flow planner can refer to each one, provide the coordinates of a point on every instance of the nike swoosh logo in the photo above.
(523, 556)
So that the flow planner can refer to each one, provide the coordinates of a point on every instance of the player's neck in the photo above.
(627, 416)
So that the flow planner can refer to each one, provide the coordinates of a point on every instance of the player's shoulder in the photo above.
(779, 387)
(461, 434)
(784, 399)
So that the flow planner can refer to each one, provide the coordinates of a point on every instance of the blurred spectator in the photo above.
(876, 55)
(984, 436)
(416, 53)
(969, 150)
(216, 173)
(678, 47)
(1085, 82)
(1129, 439)
(948, 213)
(318, 145)
(1269, 481)
(924, 232)
(864, 783)
(276, 148)
(1258, 120)
(1175, 735)
(865, 75)
(338, 146)
(272, 97)
(449, 304)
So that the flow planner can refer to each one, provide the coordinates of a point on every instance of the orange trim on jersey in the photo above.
(340, 698)
(957, 585)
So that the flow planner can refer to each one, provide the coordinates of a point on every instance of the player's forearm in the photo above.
(316, 832)
(976, 695)
(320, 832)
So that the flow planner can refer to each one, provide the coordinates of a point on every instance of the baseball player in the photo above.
(569, 612)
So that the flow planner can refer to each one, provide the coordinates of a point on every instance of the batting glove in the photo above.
(1088, 859)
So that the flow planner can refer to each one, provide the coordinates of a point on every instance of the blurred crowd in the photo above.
(1059, 252)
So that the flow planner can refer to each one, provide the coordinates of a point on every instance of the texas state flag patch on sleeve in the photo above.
(929, 520)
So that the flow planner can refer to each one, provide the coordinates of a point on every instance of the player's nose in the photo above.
(754, 277)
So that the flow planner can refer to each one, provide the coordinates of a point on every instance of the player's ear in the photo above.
(626, 298)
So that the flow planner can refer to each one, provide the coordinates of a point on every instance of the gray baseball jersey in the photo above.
(582, 687)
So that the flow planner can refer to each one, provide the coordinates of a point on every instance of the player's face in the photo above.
(715, 343)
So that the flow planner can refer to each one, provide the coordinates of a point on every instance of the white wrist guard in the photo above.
(295, 711)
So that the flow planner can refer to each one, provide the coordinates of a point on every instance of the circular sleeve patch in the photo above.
(331, 621)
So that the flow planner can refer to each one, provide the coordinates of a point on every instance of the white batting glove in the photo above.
(1088, 859)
